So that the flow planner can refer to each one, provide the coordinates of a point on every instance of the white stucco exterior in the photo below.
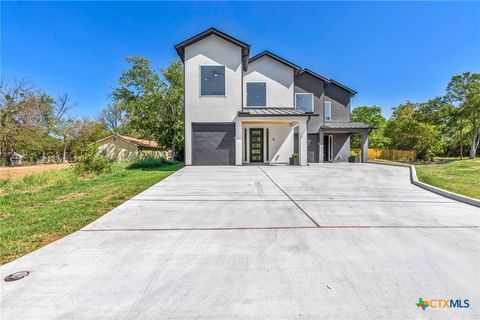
(214, 48)
(279, 80)
(211, 51)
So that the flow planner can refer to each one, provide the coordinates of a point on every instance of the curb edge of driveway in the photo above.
(442, 192)
(448, 194)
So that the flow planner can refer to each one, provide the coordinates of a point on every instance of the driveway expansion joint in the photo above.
(291, 199)
(278, 228)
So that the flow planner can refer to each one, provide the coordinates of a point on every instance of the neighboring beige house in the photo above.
(122, 148)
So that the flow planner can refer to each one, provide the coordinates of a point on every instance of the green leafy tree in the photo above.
(26, 118)
(406, 132)
(173, 108)
(371, 116)
(84, 132)
(153, 104)
(464, 91)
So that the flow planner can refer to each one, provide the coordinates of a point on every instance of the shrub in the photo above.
(150, 163)
(295, 155)
(353, 154)
(92, 162)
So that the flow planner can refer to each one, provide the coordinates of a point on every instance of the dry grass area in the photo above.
(18, 172)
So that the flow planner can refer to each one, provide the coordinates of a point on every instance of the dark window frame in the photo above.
(202, 94)
(265, 97)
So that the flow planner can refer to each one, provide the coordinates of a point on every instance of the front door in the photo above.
(256, 145)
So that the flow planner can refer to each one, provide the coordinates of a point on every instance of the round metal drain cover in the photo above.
(16, 276)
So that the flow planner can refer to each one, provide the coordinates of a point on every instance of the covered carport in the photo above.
(342, 130)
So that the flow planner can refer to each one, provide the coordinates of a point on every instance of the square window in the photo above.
(256, 94)
(304, 101)
(212, 80)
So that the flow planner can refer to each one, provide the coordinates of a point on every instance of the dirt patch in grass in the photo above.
(18, 172)
(70, 196)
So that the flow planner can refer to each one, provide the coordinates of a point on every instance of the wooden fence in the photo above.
(386, 154)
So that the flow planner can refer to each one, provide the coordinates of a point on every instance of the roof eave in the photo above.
(180, 47)
(316, 75)
(277, 58)
(247, 114)
(344, 87)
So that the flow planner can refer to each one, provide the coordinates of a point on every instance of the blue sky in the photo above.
(388, 52)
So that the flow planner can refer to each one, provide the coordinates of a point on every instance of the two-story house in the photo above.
(261, 109)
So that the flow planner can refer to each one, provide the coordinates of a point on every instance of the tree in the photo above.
(82, 133)
(406, 132)
(153, 104)
(113, 117)
(173, 129)
(464, 91)
(26, 115)
(371, 116)
(62, 125)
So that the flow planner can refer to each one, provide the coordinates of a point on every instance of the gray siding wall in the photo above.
(339, 97)
(307, 83)
(341, 146)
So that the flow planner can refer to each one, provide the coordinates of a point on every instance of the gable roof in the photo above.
(180, 48)
(353, 92)
(314, 74)
(275, 57)
(212, 31)
(328, 81)
(139, 142)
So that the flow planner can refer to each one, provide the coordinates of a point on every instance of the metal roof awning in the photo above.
(275, 112)
(347, 125)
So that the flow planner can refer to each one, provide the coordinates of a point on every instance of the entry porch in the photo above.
(270, 137)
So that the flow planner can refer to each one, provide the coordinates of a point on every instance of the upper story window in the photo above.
(256, 94)
(212, 81)
(327, 110)
(304, 101)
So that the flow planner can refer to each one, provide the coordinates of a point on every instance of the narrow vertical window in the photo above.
(267, 144)
(327, 110)
(330, 148)
(245, 143)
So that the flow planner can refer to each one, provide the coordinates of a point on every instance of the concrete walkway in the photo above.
(331, 241)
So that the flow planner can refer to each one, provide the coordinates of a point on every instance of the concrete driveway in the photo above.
(331, 241)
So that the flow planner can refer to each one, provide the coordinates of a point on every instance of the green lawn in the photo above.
(38, 209)
(462, 176)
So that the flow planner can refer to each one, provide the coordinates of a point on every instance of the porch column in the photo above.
(302, 143)
(364, 144)
(321, 146)
(188, 142)
(238, 143)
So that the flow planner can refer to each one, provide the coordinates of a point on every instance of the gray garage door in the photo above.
(213, 143)
(312, 147)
